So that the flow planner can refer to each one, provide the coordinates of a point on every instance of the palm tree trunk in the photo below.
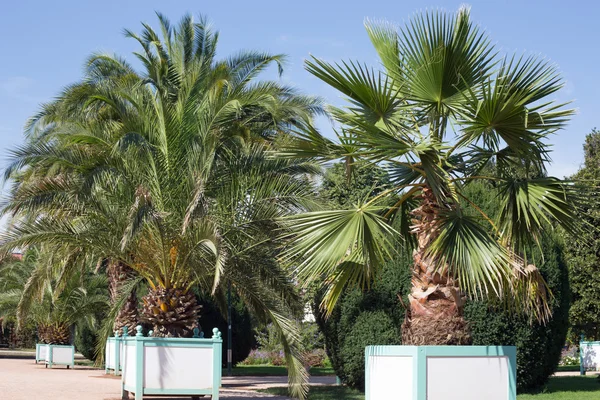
(435, 314)
(128, 316)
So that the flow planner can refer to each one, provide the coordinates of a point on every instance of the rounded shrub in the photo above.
(363, 318)
(369, 326)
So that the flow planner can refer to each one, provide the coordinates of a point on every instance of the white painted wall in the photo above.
(590, 353)
(467, 378)
(178, 368)
(391, 378)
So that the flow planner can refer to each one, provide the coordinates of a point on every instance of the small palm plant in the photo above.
(31, 292)
(446, 111)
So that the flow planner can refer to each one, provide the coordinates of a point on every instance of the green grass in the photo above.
(322, 393)
(559, 388)
(271, 370)
(567, 368)
(568, 388)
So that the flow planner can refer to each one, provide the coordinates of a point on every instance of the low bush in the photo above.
(365, 318)
(85, 342)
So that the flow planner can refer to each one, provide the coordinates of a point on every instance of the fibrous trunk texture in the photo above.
(128, 316)
(171, 312)
(435, 314)
(54, 333)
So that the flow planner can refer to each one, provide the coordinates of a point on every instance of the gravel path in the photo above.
(24, 380)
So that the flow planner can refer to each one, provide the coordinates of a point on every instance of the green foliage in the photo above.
(375, 316)
(583, 255)
(363, 182)
(33, 295)
(368, 326)
(85, 341)
(167, 169)
(360, 318)
(270, 349)
(538, 346)
(446, 103)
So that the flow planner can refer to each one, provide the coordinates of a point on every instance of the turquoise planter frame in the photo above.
(583, 343)
(419, 356)
(49, 359)
(116, 355)
(140, 342)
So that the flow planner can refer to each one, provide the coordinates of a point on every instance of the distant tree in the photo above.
(341, 189)
(584, 256)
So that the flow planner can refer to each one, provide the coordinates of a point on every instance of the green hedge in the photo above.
(362, 319)
(85, 341)
(538, 346)
(375, 317)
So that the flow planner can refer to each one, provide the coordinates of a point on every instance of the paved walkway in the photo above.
(24, 380)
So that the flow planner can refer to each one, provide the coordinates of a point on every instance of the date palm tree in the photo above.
(447, 110)
(167, 172)
(31, 292)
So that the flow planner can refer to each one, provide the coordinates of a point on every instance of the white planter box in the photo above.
(589, 356)
(113, 355)
(440, 373)
(53, 354)
(171, 366)
(41, 349)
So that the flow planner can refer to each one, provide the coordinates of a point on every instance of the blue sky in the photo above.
(46, 42)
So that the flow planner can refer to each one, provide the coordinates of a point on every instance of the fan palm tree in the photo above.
(168, 172)
(31, 292)
(446, 106)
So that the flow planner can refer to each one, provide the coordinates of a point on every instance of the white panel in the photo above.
(178, 368)
(109, 354)
(62, 355)
(591, 356)
(43, 352)
(121, 354)
(467, 378)
(391, 378)
(129, 365)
